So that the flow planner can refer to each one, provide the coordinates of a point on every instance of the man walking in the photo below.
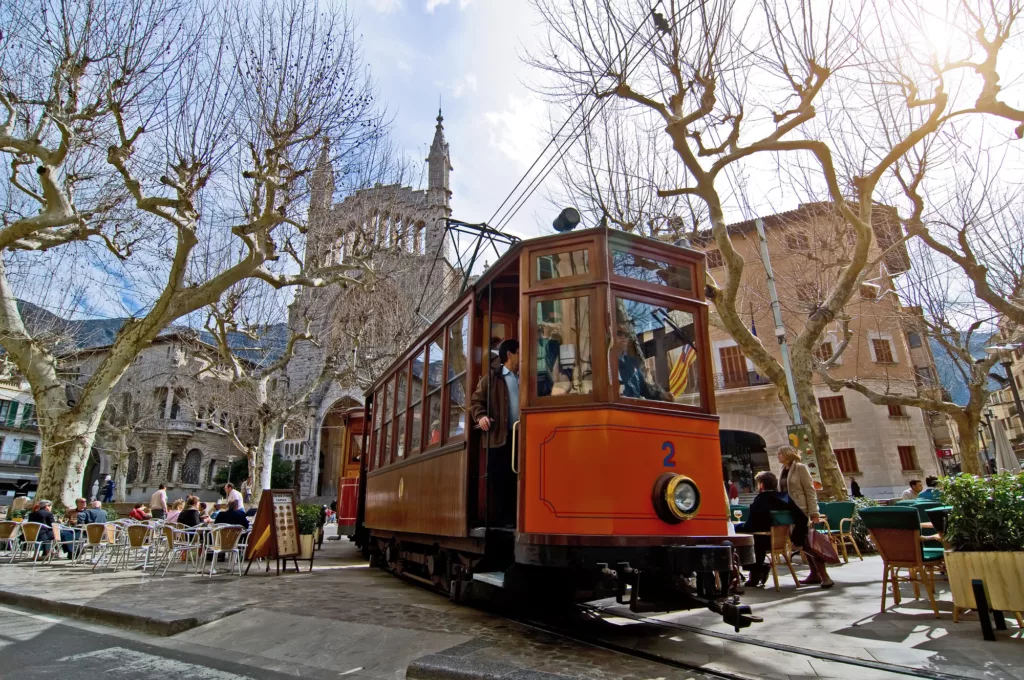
(495, 409)
(232, 494)
(158, 503)
(108, 490)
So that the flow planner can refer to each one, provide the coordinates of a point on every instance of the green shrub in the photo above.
(859, 531)
(111, 512)
(987, 514)
(308, 518)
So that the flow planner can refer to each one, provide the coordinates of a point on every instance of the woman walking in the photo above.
(795, 481)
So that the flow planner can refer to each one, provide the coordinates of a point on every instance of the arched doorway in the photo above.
(332, 441)
(190, 470)
(744, 454)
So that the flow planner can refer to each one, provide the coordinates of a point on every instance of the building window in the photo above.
(824, 351)
(28, 416)
(714, 259)
(133, 467)
(869, 292)
(798, 240)
(883, 351)
(190, 470)
(908, 461)
(896, 411)
(847, 459)
(924, 376)
(8, 412)
(832, 408)
(914, 339)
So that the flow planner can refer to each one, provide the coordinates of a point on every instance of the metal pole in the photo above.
(780, 329)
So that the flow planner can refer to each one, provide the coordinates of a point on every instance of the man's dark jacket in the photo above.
(494, 383)
(759, 518)
(232, 517)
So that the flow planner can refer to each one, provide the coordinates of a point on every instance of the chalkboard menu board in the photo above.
(275, 530)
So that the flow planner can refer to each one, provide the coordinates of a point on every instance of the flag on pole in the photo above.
(681, 370)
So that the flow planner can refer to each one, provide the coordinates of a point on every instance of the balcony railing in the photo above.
(21, 460)
(732, 381)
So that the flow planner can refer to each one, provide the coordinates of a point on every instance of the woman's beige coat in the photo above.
(800, 488)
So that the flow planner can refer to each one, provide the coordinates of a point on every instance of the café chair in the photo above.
(896, 532)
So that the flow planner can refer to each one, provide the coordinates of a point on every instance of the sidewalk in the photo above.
(346, 617)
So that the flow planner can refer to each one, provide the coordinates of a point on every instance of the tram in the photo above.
(614, 469)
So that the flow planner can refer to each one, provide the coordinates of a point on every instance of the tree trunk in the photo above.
(121, 459)
(833, 486)
(267, 453)
(66, 448)
(970, 450)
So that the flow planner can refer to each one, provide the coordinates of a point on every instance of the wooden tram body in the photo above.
(616, 407)
(351, 436)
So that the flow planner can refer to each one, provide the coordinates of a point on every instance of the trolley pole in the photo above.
(780, 329)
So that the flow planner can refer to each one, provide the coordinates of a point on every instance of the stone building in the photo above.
(19, 440)
(169, 422)
(882, 447)
(402, 231)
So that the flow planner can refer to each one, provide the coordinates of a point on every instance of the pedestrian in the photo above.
(734, 491)
(139, 513)
(759, 521)
(41, 514)
(914, 491)
(231, 493)
(246, 492)
(932, 492)
(795, 481)
(108, 490)
(494, 407)
(158, 502)
(855, 489)
(95, 491)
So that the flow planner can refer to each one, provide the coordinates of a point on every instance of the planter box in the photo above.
(305, 546)
(1002, 573)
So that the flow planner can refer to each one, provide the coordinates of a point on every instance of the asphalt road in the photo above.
(44, 646)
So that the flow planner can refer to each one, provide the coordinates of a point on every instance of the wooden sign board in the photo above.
(275, 529)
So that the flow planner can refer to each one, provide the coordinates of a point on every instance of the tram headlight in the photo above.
(675, 497)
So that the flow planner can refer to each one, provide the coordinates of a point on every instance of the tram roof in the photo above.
(498, 267)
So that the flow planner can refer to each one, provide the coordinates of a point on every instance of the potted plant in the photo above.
(985, 537)
(308, 518)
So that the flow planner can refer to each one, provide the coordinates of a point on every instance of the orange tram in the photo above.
(614, 467)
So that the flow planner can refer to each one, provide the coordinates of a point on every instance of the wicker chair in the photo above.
(896, 532)
(10, 537)
(839, 525)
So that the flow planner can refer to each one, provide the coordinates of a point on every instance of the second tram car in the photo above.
(613, 480)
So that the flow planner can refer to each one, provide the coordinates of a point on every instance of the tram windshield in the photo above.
(655, 352)
(563, 347)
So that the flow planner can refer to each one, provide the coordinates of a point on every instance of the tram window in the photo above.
(563, 265)
(400, 403)
(458, 346)
(432, 402)
(562, 347)
(651, 270)
(386, 430)
(378, 404)
(656, 353)
(416, 403)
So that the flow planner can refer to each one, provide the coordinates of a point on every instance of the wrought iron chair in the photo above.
(224, 541)
(100, 540)
(896, 532)
(182, 546)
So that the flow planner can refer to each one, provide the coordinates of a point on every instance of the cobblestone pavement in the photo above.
(345, 616)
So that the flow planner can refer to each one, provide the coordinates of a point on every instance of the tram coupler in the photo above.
(735, 614)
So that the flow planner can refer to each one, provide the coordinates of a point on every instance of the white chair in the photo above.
(10, 537)
(31, 531)
(224, 541)
(100, 540)
(74, 544)
(183, 546)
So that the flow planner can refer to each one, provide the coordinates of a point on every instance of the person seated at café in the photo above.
(204, 512)
(72, 532)
(190, 516)
(759, 521)
(139, 513)
(176, 508)
(94, 515)
(217, 509)
(42, 514)
(233, 515)
(633, 380)
(914, 491)
(932, 492)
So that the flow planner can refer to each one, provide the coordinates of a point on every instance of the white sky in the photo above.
(468, 53)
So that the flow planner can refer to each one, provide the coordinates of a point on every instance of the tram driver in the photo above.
(494, 407)
(633, 380)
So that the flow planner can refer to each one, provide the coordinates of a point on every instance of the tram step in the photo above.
(493, 578)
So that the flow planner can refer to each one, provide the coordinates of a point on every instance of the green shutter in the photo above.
(12, 414)
(28, 447)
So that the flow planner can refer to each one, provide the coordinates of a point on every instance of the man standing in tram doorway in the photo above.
(495, 408)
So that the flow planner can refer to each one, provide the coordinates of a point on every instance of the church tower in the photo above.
(438, 191)
(321, 201)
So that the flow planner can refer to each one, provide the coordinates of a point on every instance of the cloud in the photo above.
(515, 131)
(466, 83)
(434, 4)
(386, 6)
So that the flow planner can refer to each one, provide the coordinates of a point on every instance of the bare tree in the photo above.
(844, 96)
(168, 142)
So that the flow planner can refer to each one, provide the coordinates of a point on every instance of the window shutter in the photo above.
(12, 414)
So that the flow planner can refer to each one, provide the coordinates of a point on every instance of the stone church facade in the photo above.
(402, 231)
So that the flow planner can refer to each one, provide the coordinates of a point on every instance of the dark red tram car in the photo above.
(615, 465)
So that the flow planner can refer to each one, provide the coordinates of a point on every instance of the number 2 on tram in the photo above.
(613, 479)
